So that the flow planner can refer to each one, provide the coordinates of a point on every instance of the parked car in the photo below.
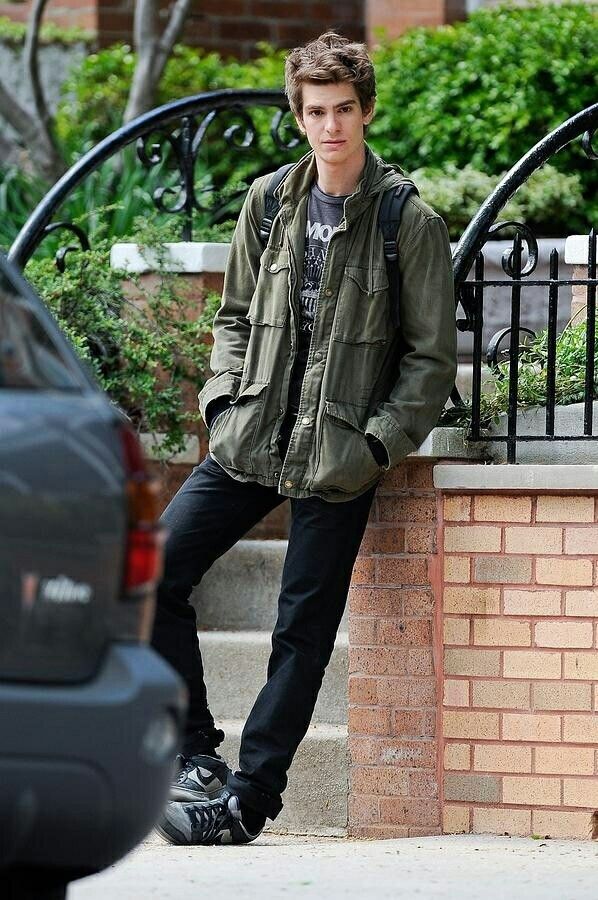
(90, 716)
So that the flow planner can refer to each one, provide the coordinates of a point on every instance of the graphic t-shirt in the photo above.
(323, 218)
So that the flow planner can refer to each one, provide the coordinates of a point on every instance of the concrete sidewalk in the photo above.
(291, 867)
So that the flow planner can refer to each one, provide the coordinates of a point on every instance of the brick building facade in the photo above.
(233, 27)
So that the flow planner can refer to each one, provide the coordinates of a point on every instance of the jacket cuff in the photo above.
(226, 384)
(396, 442)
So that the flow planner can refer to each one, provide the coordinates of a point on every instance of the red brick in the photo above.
(378, 660)
(375, 601)
(420, 475)
(363, 571)
(396, 479)
(379, 780)
(423, 784)
(362, 690)
(382, 539)
(418, 602)
(401, 570)
(362, 630)
(407, 811)
(369, 720)
(422, 692)
(407, 632)
(370, 751)
(420, 540)
(427, 831)
(363, 810)
(413, 723)
(420, 662)
(393, 691)
(407, 509)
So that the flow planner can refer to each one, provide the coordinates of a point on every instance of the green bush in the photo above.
(549, 202)
(482, 92)
(142, 353)
(15, 32)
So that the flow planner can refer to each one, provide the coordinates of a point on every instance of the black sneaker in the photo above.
(209, 822)
(200, 777)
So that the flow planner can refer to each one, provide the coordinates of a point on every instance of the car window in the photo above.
(30, 357)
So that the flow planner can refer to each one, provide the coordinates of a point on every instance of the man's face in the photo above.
(333, 121)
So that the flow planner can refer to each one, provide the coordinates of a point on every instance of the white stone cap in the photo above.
(186, 257)
(554, 478)
(576, 250)
(151, 444)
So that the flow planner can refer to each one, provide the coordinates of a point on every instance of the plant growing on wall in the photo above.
(143, 353)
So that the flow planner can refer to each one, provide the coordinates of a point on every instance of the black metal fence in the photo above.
(254, 131)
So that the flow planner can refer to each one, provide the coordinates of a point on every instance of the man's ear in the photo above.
(368, 114)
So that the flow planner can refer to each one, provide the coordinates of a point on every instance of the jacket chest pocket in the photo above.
(363, 312)
(270, 302)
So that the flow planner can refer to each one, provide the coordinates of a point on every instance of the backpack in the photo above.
(389, 219)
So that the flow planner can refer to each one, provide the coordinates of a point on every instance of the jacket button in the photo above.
(328, 292)
(288, 484)
(306, 420)
(318, 354)
(277, 474)
(273, 267)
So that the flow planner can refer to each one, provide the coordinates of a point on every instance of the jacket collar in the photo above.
(377, 176)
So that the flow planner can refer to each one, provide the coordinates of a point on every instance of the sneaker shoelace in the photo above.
(209, 819)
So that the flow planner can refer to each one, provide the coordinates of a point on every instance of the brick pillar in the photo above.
(393, 662)
(520, 616)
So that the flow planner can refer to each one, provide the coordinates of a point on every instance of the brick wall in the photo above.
(519, 719)
(232, 27)
(392, 682)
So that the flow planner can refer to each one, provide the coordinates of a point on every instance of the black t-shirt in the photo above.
(323, 218)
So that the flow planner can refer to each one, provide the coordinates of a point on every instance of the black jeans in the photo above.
(209, 514)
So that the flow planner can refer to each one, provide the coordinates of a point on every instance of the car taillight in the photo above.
(143, 563)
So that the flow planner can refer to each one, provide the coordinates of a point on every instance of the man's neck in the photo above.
(340, 180)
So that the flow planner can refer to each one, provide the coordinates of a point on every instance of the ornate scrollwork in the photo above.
(532, 248)
(282, 122)
(493, 351)
(235, 137)
(61, 253)
(587, 142)
(177, 150)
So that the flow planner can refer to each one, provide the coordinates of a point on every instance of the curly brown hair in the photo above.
(329, 59)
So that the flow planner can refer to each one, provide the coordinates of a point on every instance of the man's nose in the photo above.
(331, 123)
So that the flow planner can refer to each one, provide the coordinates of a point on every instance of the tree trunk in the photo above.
(153, 51)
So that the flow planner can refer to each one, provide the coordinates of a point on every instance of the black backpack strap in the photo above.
(389, 219)
(272, 205)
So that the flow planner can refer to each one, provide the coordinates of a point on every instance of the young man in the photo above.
(316, 393)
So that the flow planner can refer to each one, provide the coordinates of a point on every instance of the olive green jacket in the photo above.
(363, 375)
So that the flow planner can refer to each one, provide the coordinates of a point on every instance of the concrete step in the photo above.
(315, 801)
(240, 591)
(235, 664)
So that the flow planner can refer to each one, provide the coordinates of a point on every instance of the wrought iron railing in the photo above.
(171, 138)
(470, 294)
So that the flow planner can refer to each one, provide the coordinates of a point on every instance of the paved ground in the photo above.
(286, 868)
